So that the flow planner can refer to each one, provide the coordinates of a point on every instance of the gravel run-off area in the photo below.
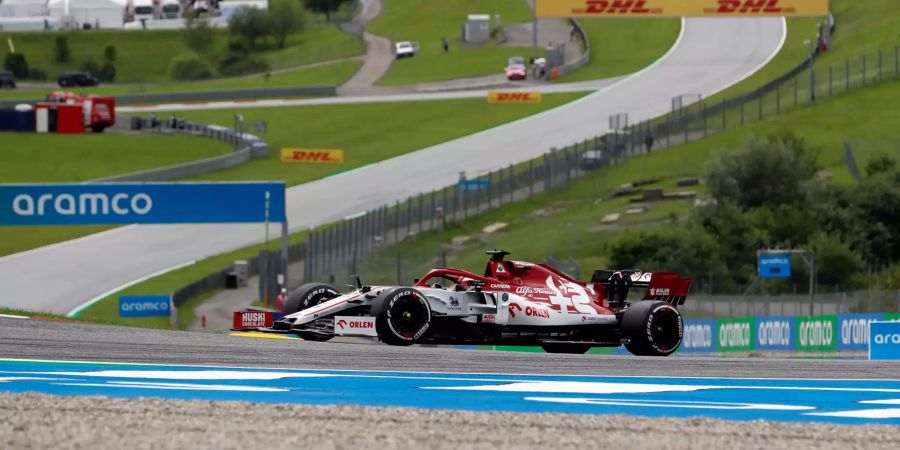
(38, 421)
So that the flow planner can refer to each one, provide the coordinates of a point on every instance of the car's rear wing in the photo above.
(664, 286)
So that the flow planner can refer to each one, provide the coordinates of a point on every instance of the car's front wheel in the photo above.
(309, 295)
(652, 328)
(402, 316)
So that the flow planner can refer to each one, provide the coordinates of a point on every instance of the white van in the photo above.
(171, 9)
(145, 10)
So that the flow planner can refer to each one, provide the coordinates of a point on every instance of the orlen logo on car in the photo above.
(749, 7)
(615, 7)
(355, 324)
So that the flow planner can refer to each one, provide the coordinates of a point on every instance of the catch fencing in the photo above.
(866, 301)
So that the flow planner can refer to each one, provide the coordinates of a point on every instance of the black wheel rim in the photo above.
(408, 316)
(664, 329)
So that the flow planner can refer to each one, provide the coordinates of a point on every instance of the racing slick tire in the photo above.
(308, 295)
(402, 316)
(574, 349)
(653, 328)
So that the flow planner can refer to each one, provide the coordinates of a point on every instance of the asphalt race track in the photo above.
(50, 340)
(75, 359)
(60, 278)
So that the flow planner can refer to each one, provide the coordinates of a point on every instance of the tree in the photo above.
(61, 49)
(250, 24)
(198, 35)
(324, 6)
(17, 64)
(110, 53)
(770, 171)
(285, 17)
(91, 66)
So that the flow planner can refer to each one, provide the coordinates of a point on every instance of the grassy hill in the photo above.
(144, 56)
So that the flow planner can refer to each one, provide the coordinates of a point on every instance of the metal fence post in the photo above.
(512, 184)
(421, 211)
(397, 222)
(778, 98)
(703, 113)
(530, 178)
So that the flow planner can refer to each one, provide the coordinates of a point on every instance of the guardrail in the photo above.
(585, 57)
(150, 98)
(249, 147)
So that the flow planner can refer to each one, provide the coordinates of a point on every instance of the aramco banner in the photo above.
(679, 8)
(143, 203)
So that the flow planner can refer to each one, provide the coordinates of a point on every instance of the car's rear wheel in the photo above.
(402, 316)
(652, 328)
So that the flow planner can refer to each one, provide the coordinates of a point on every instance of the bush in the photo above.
(107, 73)
(37, 74)
(110, 53)
(190, 67)
(61, 49)
(90, 66)
(237, 63)
(198, 35)
(17, 64)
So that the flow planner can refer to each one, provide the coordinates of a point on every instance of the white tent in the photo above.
(23, 8)
(96, 13)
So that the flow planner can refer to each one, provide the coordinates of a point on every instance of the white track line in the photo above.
(78, 310)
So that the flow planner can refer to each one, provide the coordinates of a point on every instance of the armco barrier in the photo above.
(774, 333)
(207, 96)
(853, 330)
(251, 147)
(826, 333)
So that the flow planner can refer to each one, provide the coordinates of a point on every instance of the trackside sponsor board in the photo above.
(816, 333)
(252, 319)
(312, 156)
(145, 305)
(884, 340)
(354, 326)
(678, 8)
(734, 335)
(143, 203)
(514, 97)
(853, 330)
(699, 336)
(774, 333)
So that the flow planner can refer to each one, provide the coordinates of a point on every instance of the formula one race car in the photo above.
(513, 303)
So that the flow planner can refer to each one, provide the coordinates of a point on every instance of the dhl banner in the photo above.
(514, 97)
(679, 8)
(307, 155)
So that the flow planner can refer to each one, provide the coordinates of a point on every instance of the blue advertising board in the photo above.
(699, 336)
(884, 340)
(775, 266)
(472, 185)
(774, 333)
(853, 330)
(143, 203)
(144, 305)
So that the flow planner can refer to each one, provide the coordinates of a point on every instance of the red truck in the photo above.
(99, 112)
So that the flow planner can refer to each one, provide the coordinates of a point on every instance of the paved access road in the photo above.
(709, 55)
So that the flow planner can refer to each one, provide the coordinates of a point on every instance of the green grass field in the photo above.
(29, 158)
(568, 227)
(623, 46)
(144, 56)
(327, 74)
(367, 133)
(862, 27)
(429, 20)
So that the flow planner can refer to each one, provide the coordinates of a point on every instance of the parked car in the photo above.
(515, 68)
(593, 159)
(75, 79)
(405, 49)
(7, 80)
